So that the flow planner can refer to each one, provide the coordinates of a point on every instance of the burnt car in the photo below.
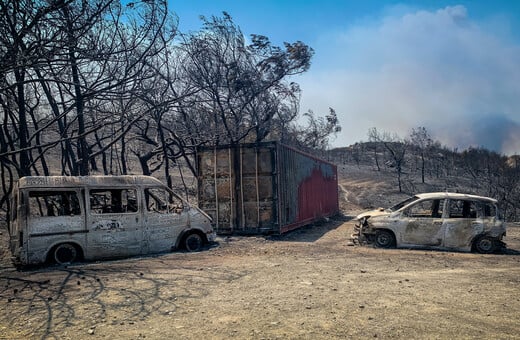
(440, 220)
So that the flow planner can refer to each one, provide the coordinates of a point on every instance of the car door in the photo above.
(462, 223)
(114, 222)
(424, 223)
(165, 219)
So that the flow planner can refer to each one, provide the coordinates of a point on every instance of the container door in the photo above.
(216, 185)
(257, 194)
(114, 222)
(237, 188)
(165, 219)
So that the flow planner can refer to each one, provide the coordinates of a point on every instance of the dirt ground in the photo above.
(307, 284)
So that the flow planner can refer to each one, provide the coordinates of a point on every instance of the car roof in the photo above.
(454, 195)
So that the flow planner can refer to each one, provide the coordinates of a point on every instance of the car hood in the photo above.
(372, 213)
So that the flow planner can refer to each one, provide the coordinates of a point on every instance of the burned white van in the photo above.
(63, 219)
(442, 220)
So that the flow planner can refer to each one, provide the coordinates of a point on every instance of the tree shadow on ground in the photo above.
(49, 302)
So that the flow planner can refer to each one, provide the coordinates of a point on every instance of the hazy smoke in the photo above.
(440, 69)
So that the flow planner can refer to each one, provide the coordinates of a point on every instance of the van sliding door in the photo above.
(114, 223)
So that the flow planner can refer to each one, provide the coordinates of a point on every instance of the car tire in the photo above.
(65, 253)
(384, 239)
(193, 242)
(485, 245)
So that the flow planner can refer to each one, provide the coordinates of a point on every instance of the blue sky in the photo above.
(451, 66)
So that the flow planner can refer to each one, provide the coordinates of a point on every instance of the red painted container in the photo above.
(264, 188)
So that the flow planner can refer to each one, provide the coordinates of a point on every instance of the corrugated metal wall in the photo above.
(264, 187)
(308, 188)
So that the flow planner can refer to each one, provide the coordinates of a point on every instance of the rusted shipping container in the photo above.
(264, 188)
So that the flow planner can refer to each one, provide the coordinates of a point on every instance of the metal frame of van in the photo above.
(56, 219)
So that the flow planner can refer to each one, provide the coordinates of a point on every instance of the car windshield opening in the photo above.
(403, 203)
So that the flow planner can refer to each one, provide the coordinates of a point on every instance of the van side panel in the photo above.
(53, 216)
(113, 235)
(114, 225)
(162, 231)
(165, 218)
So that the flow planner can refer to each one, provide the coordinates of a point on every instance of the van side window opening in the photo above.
(113, 201)
(463, 209)
(53, 203)
(162, 201)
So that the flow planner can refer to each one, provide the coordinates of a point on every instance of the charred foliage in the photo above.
(109, 87)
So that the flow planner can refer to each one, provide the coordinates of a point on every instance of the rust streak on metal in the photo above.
(281, 188)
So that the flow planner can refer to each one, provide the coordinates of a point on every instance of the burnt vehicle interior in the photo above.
(107, 201)
(429, 208)
(162, 201)
(56, 203)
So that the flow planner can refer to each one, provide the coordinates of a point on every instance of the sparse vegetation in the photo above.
(421, 164)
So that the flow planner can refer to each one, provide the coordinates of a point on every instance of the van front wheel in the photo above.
(193, 242)
(65, 253)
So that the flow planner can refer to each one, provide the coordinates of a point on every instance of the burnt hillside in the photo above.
(409, 170)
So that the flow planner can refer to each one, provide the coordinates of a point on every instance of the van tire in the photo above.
(65, 253)
(193, 242)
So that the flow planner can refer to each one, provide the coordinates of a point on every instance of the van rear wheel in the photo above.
(193, 242)
(65, 253)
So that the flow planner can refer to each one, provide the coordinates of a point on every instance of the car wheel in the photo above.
(384, 239)
(65, 253)
(193, 242)
(485, 245)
